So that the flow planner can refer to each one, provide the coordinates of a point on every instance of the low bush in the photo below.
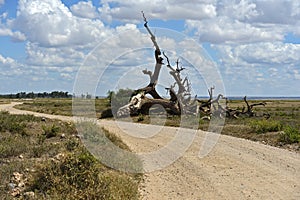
(140, 118)
(13, 145)
(264, 126)
(107, 113)
(290, 135)
(15, 124)
(50, 131)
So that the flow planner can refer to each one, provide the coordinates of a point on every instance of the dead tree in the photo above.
(180, 99)
(249, 110)
(212, 107)
(246, 111)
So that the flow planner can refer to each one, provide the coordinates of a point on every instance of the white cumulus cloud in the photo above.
(228, 30)
(261, 54)
(16, 36)
(156, 9)
(51, 23)
(85, 10)
(263, 68)
(248, 21)
(9, 67)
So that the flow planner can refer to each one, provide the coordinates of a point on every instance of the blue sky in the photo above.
(255, 44)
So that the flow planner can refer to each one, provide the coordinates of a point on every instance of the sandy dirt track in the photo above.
(234, 169)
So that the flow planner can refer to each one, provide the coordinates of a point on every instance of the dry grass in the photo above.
(60, 106)
(4, 101)
(54, 163)
(284, 113)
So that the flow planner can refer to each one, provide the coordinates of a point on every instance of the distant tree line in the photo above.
(31, 95)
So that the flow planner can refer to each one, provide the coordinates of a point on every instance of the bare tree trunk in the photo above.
(150, 89)
(140, 103)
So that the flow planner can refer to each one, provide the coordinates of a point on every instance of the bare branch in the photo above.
(258, 104)
(210, 92)
(145, 71)
(168, 61)
(249, 110)
(145, 19)
(186, 81)
(177, 66)
(151, 34)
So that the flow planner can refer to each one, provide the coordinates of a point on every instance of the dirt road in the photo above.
(234, 169)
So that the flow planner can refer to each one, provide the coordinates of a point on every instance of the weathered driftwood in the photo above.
(246, 112)
(213, 107)
(179, 100)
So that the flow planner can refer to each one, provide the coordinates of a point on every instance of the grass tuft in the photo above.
(290, 135)
(51, 131)
(264, 126)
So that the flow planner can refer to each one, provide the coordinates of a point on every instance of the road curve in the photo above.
(235, 168)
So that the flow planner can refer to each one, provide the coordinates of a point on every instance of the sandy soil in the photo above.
(234, 169)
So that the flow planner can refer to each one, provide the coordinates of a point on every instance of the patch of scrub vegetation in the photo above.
(61, 106)
(290, 135)
(79, 175)
(4, 101)
(15, 123)
(45, 159)
(280, 130)
(50, 106)
(282, 113)
(264, 126)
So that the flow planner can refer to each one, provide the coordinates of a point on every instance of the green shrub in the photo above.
(264, 126)
(107, 113)
(290, 135)
(13, 145)
(140, 118)
(17, 127)
(15, 123)
(50, 131)
(72, 144)
(120, 98)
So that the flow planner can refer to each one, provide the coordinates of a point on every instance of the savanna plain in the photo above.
(42, 158)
